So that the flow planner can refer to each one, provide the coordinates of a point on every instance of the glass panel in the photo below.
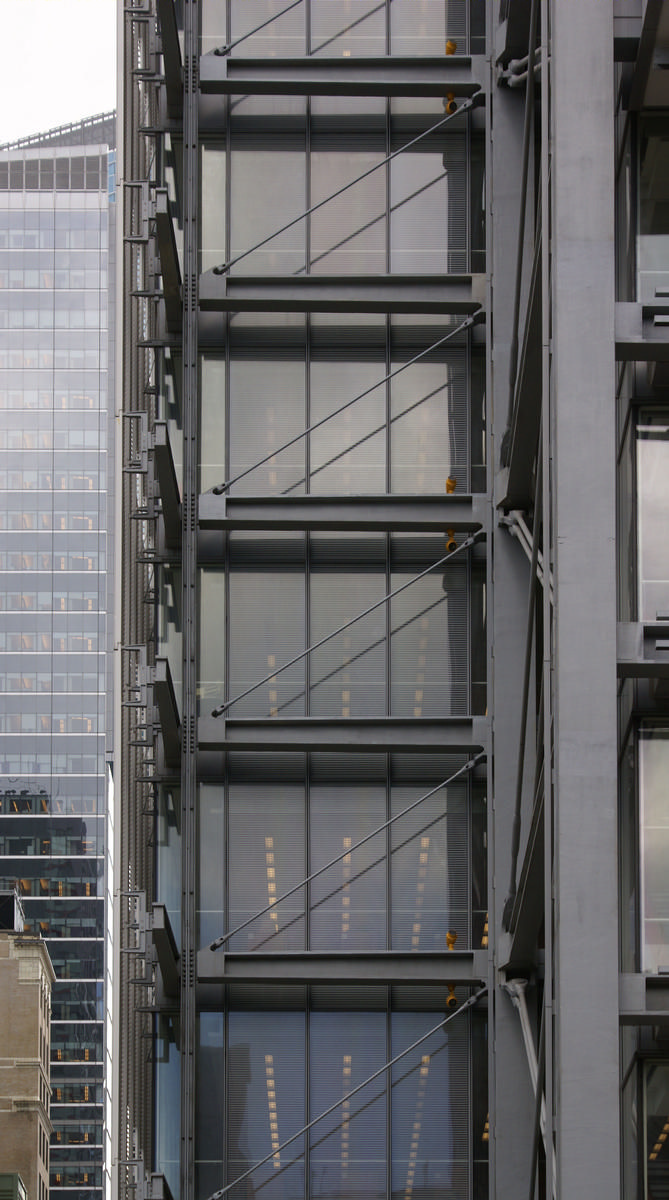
(268, 191)
(212, 205)
(266, 1102)
(652, 499)
(429, 441)
(348, 234)
(348, 453)
(267, 620)
(167, 1102)
(423, 26)
(428, 221)
(266, 857)
(348, 902)
(429, 644)
(209, 1105)
(351, 28)
(430, 1109)
(657, 1129)
(282, 36)
(267, 409)
(211, 911)
(170, 638)
(348, 1148)
(430, 870)
(654, 814)
(211, 672)
(212, 422)
(653, 244)
(168, 856)
(348, 673)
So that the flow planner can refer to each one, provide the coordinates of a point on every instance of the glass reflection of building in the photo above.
(55, 214)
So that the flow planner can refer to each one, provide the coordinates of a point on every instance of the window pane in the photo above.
(429, 622)
(428, 201)
(348, 453)
(211, 877)
(430, 869)
(266, 857)
(654, 814)
(212, 422)
(356, 27)
(348, 902)
(430, 1108)
(348, 1148)
(348, 234)
(283, 36)
(268, 190)
(266, 1102)
(267, 620)
(266, 410)
(653, 498)
(348, 673)
(211, 673)
(212, 205)
(429, 435)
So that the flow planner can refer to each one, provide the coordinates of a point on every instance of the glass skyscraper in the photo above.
(57, 193)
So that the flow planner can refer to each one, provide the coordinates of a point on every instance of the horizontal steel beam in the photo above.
(316, 76)
(409, 513)
(436, 735)
(644, 999)
(642, 332)
(643, 650)
(335, 293)
(169, 261)
(465, 967)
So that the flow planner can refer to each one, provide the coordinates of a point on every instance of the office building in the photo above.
(392, 921)
(55, 382)
(26, 980)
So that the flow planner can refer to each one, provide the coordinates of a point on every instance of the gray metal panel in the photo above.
(638, 337)
(644, 999)
(584, 481)
(352, 293)
(318, 76)
(410, 513)
(168, 712)
(166, 478)
(526, 416)
(312, 733)
(465, 967)
(169, 261)
(171, 56)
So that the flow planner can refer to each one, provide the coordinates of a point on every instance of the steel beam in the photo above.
(642, 79)
(396, 76)
(168, 712)
(642, 332)
(523, 434)
(168, 486)
(334, 293)
(169, 35)
(368, 513)
(643, 650)
(528, 912)
(627, 23)
(467, 968)
(169, 261)
(466, 735)
(166, 949)
(643, 999)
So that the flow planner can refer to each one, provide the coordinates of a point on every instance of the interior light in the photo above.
(451, 46)
(451, 485)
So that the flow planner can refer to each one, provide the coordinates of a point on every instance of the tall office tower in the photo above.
(55, 380)
(377, 681)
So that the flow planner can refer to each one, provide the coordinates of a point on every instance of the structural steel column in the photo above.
(583, 453)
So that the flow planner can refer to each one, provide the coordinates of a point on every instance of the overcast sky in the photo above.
(58, 63)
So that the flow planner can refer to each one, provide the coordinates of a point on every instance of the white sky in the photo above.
(58, 63)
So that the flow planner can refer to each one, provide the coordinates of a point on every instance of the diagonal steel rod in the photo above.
(469, 541)
(221, 50)
(348, 28)
(468, 766)
(469, 1003)
(223, 487)
(225, 267)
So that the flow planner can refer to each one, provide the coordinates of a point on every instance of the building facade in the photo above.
(55, 380)
(26, 980)
(391, 906)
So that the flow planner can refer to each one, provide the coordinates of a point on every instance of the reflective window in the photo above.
(654, 848)
(652, 501)
(653, 238)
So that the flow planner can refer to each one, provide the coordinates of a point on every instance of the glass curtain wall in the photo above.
(54, 262)
(302, 404)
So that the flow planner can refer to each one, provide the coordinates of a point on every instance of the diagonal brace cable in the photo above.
(464, 107)
(470, 541)
(221, 50)
(223, 487)
(468, 766)
(469, 1003)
